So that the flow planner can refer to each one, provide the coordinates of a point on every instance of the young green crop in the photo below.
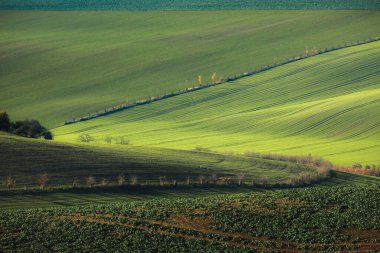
(310, 219)
(326, 105)
(27, 161)
(56, 66)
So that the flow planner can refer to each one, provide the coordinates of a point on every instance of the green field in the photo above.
(25, 160)
(327, 105)
(319, 219)
(139, 5)
(242, 163)
(55, 66)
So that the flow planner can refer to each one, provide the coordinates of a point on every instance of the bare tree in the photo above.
(240, 178)
(162, 180)
(75, 182)
(10, 182)
(42, 180)
(201, 179)
(122, 140)
(104, 182)
(188, 180)
(214, 178)
(90, 181)
(134, 180)
(121, 180)
(108, 139)
(85, 138)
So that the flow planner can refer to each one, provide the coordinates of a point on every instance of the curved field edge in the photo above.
(326, 105)
(315, 219)
(145, 5)
(71, 165)
(56, 66)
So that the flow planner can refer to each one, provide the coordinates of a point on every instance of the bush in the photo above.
(85, 138)
(25, 128)
(122, 140)
(47, 135)
(30, 129)
(202, 149)
(5, 123)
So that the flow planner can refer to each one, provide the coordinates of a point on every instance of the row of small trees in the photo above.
(42, 180)
(121, 180)
(122, 140)
(212, 179)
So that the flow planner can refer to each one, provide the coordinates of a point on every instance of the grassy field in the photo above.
(138, 5)
(25, 160)
(106, 195)
(55, 66)
(326, 105)
(317, 219)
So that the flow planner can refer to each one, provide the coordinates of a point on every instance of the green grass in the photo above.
(326, 105)
(26, 159)
(55, 66)
(318, 219)
(138, 5)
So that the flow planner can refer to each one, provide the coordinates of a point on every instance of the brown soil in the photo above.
(203, 225)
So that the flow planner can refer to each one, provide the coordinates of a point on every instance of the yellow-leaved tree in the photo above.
(213, 77)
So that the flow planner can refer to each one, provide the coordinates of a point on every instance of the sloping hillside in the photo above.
(326, 105)
(26, 159)
(55, 66)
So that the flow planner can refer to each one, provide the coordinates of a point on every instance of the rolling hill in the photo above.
(26, 159)
(326, 105)
(55, 66)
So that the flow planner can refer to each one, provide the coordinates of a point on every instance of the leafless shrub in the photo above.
(227, 180)
(202, 149)
(104, 182)
(90, 181)
(162, 180)
(75, 182)
(357, 166)
(134, 180)
(120, 180)
(85, 138)
(122, 140)
(42, 180)
(240, 177)
(108, 139)
(214, 178)
(9, 182)
(201, 179)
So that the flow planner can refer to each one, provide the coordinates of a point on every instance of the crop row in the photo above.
(311, 219)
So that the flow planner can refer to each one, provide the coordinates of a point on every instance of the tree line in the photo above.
(26, 128)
